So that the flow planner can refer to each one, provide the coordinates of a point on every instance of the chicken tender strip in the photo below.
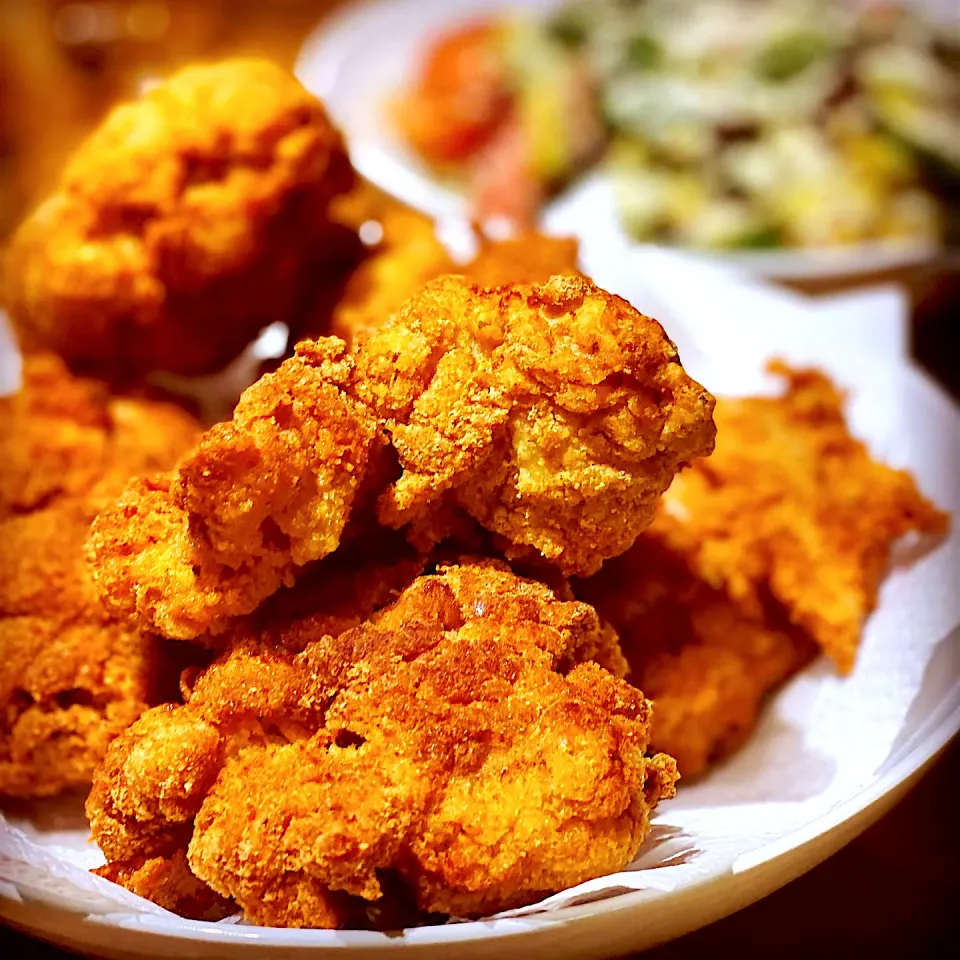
(792, 505)
(257, 498)
(553, 415)
(185, 223)
(71, 677)
(356, 769)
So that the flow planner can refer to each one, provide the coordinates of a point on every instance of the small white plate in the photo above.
(355, 61)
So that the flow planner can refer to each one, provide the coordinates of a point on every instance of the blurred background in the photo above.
(63, 64)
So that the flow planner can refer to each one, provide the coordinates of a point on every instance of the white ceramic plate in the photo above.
(632, 921)
(829, 756)
(356, 60)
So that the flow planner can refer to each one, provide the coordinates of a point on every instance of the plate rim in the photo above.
(826, 832)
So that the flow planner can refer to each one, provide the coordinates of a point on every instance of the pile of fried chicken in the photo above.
(370, 653)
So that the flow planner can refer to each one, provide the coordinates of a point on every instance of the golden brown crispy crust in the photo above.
(257, 498)
(706, 663)
(71, 678)
(553, 415)
(395, 268)
(454, 747)
(408, 255)
(66, 690)
(530, 257)
(65, 436)
(168, 882)
(330, 596)
(772, 547)
(793, 505)
(53, 436)
(187, 221)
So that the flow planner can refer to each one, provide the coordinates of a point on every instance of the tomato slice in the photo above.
(461, 96)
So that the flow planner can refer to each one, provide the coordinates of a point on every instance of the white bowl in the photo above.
(356, 60)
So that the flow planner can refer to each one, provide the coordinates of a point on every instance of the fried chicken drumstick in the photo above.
(71, 676)
(456, 754)
(552, 415)
(185, 223)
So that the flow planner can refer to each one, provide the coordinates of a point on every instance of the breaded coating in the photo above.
(190, 219)
(454, 751)
(66, 690)
(773, 547)
(53, 436)
(407, 255)
(65, 436)
(706, 662)
(530, 257)
(169, 882)
(257, 498)
(554, 415)
(71, 677)
(336, 594)
(792, 505)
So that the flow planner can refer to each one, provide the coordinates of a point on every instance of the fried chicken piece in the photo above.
(408, 254)
(554, 415)
(706, 662)
(257, 498)
(331, 596)
(365, 759)
(396, 267)
(169, 883)
(71, 677)
(792, 505)
(53, 436)
(66, 690)
(530, 257)
(185, 223)
(539, 412)
(774, 546)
